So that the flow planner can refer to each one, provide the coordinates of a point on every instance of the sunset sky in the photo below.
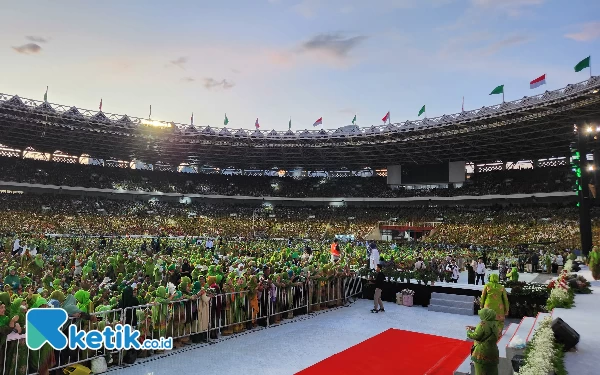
(304, 59)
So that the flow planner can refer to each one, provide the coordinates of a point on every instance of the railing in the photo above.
(198, 319)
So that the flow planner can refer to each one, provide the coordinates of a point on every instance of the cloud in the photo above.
(188, 79)
(589, 31)
(211, 83)
(29, 48)
(37, 39)
(180, 62)
(334, 45)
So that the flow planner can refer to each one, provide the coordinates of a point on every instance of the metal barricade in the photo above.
(235, 312)
(290, 298)
(201, 319)
(20, 360)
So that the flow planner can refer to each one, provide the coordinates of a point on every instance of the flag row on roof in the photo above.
(539, 81)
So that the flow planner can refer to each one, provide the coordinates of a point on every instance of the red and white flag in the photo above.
(256, 124)
(386, 118)
(100, 105)
(537, 82)
(318, 122)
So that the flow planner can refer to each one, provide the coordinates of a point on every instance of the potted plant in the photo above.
(407, 297)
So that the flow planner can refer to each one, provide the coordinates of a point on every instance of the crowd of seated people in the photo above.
(497, 225)
(541, 180)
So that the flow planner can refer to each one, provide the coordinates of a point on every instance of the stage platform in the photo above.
(286, 349)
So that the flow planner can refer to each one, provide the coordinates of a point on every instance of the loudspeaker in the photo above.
(564, 334)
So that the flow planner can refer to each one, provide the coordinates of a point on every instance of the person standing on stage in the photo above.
(535, 261)
(374, 258)
(480, 272)
(335, 251)
(379, 281)
(471, 267)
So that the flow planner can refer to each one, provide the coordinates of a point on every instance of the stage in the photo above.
(287, 349)
(423, 292)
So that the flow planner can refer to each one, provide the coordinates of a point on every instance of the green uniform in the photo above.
(485, 353)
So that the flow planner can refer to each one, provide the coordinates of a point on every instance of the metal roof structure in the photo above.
(530, 128)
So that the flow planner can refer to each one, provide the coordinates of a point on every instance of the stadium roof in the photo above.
(534, 127)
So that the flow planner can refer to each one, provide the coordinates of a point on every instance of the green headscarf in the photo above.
(83, 299)
(196, 287)
(494, 281)
(39, 261)
(487, 315)
(58, 295)
(5, 300)
(56, 284)
(40, 302)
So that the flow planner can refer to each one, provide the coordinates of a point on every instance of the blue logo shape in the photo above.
(44, 326)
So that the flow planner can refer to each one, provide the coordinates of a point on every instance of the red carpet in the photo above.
(396, 352)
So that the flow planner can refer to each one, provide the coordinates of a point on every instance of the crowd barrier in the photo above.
(201, 319)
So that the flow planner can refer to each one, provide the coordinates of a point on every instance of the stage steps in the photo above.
(452, 303)
(466, 368)
(527, 328)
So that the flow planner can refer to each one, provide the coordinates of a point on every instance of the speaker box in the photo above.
(564, 334)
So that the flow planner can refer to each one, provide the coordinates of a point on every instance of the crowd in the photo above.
(232, 268)
(537, 180)
(504, 226)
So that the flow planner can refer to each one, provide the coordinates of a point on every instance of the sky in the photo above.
(299, 59)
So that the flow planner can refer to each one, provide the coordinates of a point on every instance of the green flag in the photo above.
(226, 121)
(585, 63)
(422, 110)
(290, 124)
(354, 120)
(46, 95)
(498, 90)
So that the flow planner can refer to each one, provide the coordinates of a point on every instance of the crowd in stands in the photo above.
(537, 180)
(490, 226)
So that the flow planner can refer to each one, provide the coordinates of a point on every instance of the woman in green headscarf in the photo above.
(9, 322)
(159, 311)
(83, 301)
(37, 265)
(514, 274)
(485, 354)
(494, 297)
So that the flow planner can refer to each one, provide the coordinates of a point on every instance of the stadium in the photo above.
(462, 244)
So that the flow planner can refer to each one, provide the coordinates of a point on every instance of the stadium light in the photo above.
(156, 124)
(590, 129)
(590, 167)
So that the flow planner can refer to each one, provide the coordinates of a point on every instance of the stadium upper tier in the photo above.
(530, 181)
(530, 128)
